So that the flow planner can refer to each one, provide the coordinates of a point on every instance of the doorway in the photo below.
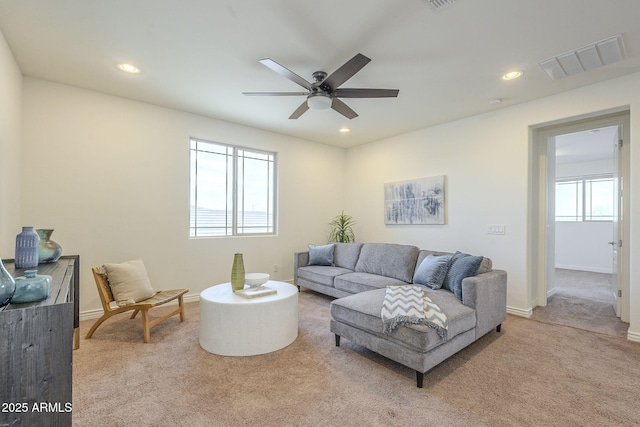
(581, 160)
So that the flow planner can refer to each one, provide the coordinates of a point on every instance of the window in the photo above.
(585, 199)
(232, 190)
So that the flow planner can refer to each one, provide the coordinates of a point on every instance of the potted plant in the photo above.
(341, 229)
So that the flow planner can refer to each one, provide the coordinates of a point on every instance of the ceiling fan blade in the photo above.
(345, 72)
(366, 93)
(286, 73)
(300, 110)
(343, 109)
(275, 93)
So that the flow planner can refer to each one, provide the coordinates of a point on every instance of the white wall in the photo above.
(486, 162)
(10, 138)
(111, 176)
(583, 246)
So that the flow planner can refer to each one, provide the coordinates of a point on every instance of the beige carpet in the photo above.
(583, 300)
(531, 374)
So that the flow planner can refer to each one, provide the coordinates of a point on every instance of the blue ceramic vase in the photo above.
(27, 248)
(48, 250)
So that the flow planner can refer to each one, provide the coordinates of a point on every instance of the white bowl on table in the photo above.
(256, 279)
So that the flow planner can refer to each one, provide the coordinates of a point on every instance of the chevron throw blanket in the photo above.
(409, 305)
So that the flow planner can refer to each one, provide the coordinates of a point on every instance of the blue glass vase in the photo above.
(7, 287)
(31, 287)
(27, 248)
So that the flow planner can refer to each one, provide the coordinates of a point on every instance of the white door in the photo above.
(616, 242)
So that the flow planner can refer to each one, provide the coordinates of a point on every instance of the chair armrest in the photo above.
(487, 294)
(300, 259)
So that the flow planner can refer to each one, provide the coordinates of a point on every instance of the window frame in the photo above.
(584, 207)
(235, 188)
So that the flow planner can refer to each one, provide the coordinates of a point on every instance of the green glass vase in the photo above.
(237, 273)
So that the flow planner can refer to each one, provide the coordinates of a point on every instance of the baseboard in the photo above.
(519, 312)
(94, 314)
(585, 268)
(633, 336)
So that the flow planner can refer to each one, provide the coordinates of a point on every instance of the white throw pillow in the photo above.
(129, 282)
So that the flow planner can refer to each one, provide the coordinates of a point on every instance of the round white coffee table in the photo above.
(231, 325)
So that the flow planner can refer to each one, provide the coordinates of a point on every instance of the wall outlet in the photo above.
(495, 229)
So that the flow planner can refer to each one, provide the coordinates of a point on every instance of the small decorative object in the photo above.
(48, 250)
(237, 273)
(256, 279)
(32, 287)
(27, 248)
(258, 291)
(419, 201)
(7, 287)
(341, 229)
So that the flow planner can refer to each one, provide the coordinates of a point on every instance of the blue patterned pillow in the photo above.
(461, 266)
(432, 270)
(321, 255)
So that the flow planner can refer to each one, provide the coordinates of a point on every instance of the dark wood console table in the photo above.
(36, 350)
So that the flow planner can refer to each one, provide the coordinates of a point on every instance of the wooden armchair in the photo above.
(162, 297)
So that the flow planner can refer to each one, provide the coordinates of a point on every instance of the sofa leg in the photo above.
(499, 327)
(419, 378)
(337, 340)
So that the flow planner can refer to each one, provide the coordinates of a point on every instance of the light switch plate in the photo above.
(495, 229)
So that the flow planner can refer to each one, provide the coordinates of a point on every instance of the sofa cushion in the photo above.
(321, 274)
(361, 282)
(346, 255)
(321, 255)
(363, 312)
(388, 259)
(432, 271)
(461, 266)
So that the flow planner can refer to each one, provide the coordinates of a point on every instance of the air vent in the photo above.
(586, 58)
(440, 4)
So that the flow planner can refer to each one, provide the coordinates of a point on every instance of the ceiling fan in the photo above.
(324, 92)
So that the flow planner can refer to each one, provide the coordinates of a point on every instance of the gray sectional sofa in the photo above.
(357, 275)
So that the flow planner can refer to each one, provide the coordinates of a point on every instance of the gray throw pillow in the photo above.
(461, 266)
(321, 255)
(432, 270)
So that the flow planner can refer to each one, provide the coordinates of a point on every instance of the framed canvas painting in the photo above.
(419, 201)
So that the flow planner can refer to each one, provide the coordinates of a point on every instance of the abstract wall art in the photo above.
(418, 201)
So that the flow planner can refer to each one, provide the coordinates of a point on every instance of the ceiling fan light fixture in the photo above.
(319, 101)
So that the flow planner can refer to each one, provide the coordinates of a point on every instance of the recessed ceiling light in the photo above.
(128, 68)
(511, 75)
(495, 101)
(344, 130)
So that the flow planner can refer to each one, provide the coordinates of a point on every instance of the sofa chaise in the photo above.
(357, 274)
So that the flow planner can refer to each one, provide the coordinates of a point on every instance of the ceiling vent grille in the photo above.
(440, 4)
(586, 58)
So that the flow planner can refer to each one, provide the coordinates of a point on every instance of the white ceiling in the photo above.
(199, 56)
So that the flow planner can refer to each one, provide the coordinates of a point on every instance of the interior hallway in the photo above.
(583, 300)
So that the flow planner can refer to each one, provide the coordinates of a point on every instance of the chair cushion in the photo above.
(129, 282)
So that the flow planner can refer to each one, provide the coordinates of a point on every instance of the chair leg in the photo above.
(145, 325)
(499, 327)
(337, 340)
(181, 304)
(95, 326)
(134, 314)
